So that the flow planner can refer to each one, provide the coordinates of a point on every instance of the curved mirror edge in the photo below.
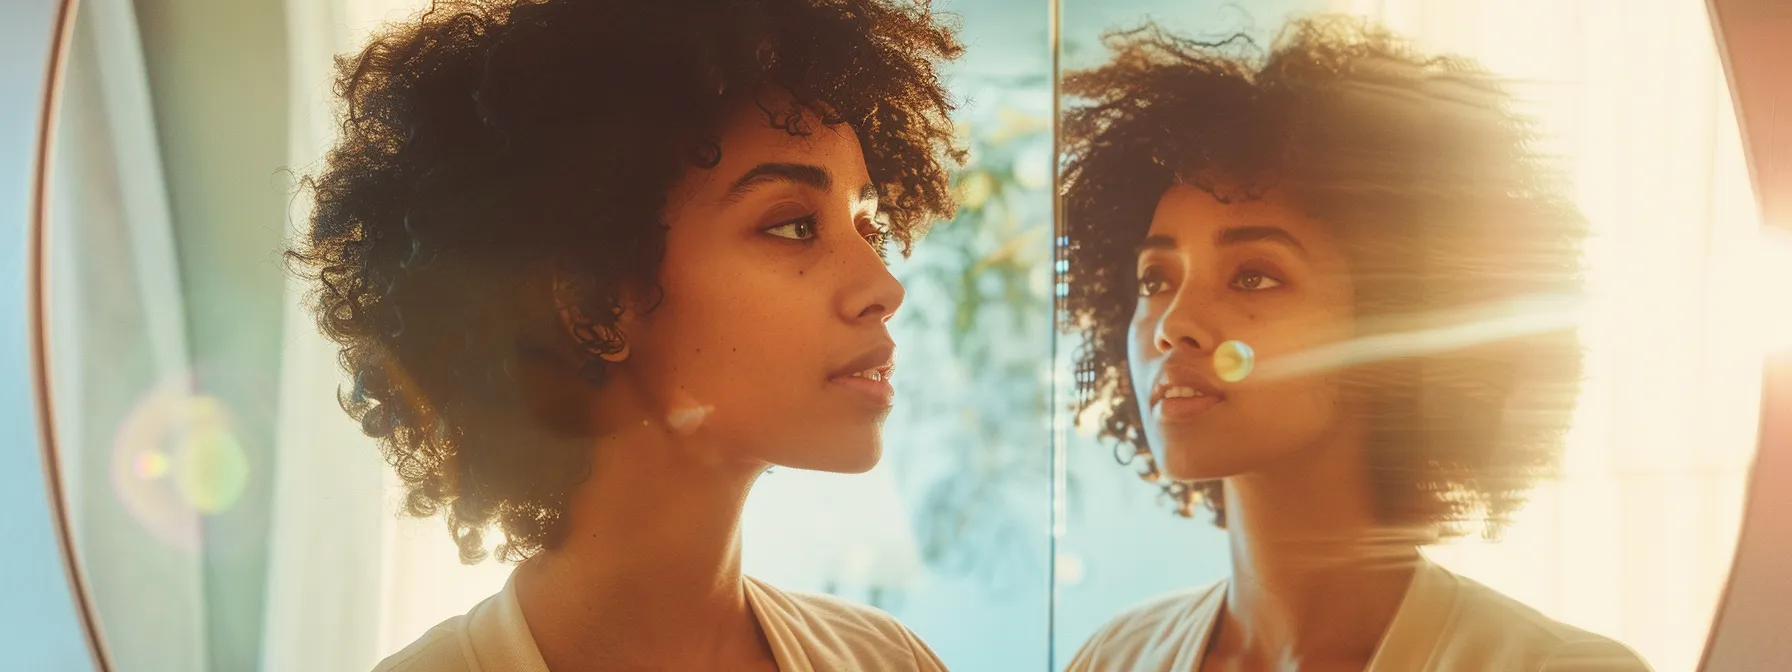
(55, 630)
(42, 615)
(1746, 633)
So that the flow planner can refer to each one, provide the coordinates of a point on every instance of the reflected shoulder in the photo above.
(1508, 629)
(1597, 654)
(1151, 633)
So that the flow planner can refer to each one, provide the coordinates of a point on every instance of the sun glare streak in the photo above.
(1429, 334)
(1761, 273)
(1771, 288)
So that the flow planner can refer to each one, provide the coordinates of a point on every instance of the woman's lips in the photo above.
(869, 375)
(874, 387)
(1182, 394)
(871, 382)
(1182, 409)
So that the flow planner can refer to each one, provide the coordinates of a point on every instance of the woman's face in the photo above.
(1256, 271)
(770, 343)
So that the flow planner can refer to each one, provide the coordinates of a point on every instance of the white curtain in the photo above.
(350, 580)
(324, 568)
(1635, 540)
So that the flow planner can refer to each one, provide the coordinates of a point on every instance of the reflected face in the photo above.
(771, 338)
(1256, 271)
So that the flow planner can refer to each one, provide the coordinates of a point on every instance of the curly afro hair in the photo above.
(496, 154)
(1430, 181)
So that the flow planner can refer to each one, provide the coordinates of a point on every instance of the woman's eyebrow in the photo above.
(1246, 234)
(1151, 243)
(800, 173)
(1230, 236)
(808, 175)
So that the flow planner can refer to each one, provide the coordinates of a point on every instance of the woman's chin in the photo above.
(845, 457)
(1193, 465)
(858, 466)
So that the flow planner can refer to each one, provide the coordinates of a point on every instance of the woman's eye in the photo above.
(1152, 283)
(801, 228)
(1254, 281)
(879, 238)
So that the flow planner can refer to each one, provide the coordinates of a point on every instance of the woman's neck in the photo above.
(1317, 579)
(648, 572)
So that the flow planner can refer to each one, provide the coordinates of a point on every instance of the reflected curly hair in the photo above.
(497, 154)
(1429, 180)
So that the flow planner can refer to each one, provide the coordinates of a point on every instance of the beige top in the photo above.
(1445, 623)
(807, 632)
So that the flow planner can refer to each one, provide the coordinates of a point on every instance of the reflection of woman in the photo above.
(594, 265)
(1342, 184)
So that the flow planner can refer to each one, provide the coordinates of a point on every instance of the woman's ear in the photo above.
(602, 337)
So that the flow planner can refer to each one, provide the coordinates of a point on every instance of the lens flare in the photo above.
(1233, 360)
(175, 457)
(151, 465)
(212, 468)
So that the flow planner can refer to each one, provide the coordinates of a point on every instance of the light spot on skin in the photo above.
(687, 414)
(685, 421)
(1233, 360)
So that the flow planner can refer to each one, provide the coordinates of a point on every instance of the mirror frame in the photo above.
(36, 35)
(1752, 35)
(1748, 627)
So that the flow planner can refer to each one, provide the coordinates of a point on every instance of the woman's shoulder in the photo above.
(1488, 623)
(439, 650)
(1167, 611)
(1155, 630)
(826, 627)
(838, 614)
(491, 636)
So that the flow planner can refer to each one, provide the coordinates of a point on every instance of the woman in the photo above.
(1341, 188)
(594, 265)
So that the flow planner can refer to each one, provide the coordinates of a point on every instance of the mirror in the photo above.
(1384, 204)
(1569, 337)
